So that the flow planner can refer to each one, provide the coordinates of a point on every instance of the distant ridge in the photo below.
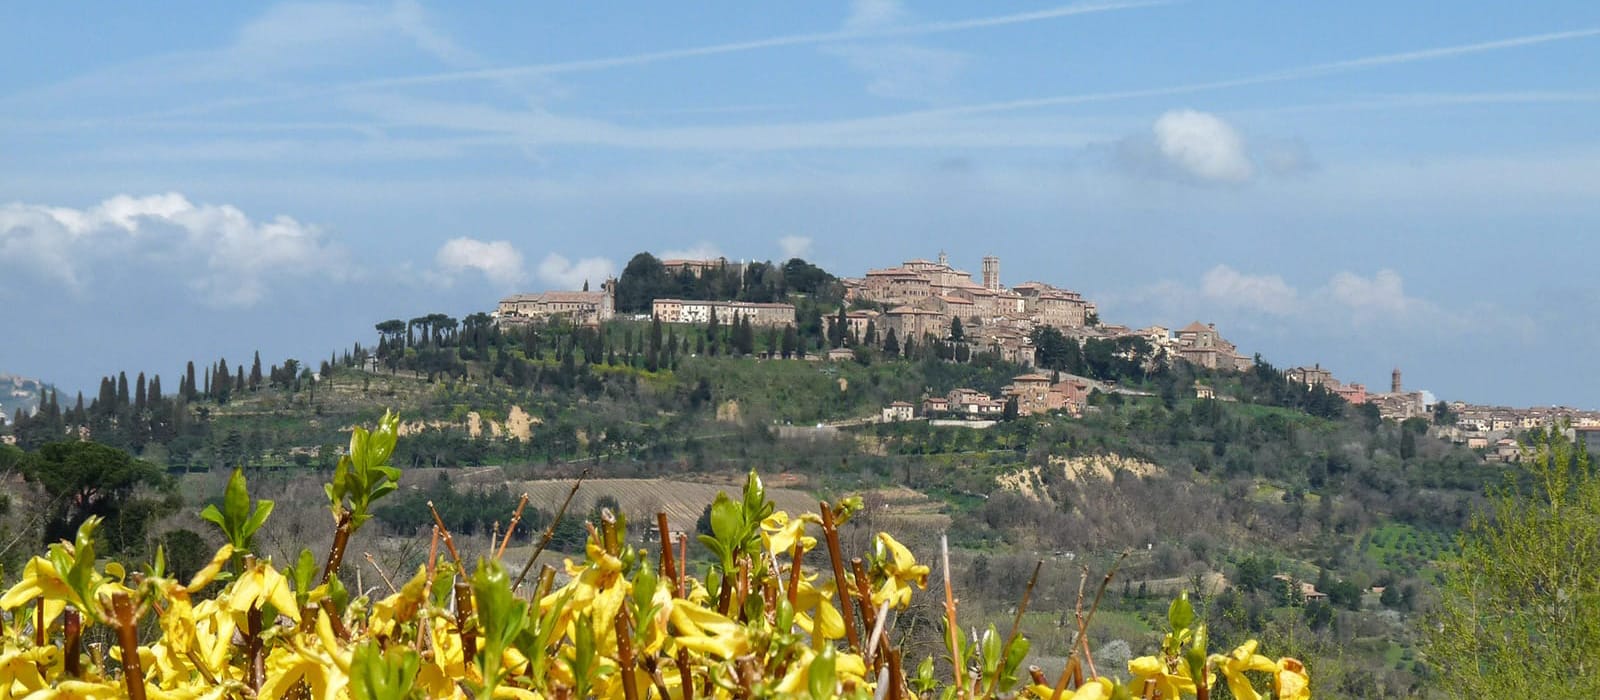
(19, 393)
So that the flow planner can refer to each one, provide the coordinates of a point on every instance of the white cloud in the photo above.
(1265, 293)
(700, 251)
(794, 246)
(228, 258)
(561, 273)
(499, 261)
(1203, 146)
(1382, 294)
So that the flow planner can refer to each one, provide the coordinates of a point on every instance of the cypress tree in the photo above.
(188, 388)
(155, 390)
(255, 372)
(122, 391)
(140, 399)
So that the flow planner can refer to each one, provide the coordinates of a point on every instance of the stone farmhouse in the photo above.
(586, 308)
(698, 311)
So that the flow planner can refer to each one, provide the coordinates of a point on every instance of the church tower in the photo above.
(991, 273)
(1394, 381)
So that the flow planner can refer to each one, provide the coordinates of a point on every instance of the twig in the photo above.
(516, 519)
(1027, 593)
(1083, 626)
(72, 631)
(669, 569)
(384, 576)
(433, 554)
(550, 531)
(864, 601)
(469, 637)
(449, 541)
(834, 554)
(624, 629)
(128, 637)
(951, 629)
(795, 556)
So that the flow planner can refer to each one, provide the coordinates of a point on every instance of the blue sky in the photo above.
(1359, 184)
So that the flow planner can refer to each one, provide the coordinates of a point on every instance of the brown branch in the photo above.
(72, 631)
(624, 630)
(864, 601)
(449, 541)
(550, 531)
(516, 519)
(341, 539)
(795, 557)
(839, 586)
(469, 637)
(128, 637)
(669, 568)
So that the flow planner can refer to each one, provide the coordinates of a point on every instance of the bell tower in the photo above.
(991, 273)
(1394, 381)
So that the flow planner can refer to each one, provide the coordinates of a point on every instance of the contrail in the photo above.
(756, 44)
(1301, 73)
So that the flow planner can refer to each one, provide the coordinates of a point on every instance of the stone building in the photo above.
(700, 312)
(579, 307)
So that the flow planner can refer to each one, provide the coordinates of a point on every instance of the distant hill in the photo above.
(19, 393)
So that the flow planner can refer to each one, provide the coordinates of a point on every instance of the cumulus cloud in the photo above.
(1382, 294)
(224, 256)
(1203, 146)
(700, 251)
(561, 273)
(1265, 293)
(498, 261)
(794, 246)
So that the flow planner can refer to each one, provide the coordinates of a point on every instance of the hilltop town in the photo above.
(934, 302)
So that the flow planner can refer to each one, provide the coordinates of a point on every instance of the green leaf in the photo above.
(1181, 614)
(235, 503)
(821, 676)
(726, 520)
(259, 518)
(212, 515)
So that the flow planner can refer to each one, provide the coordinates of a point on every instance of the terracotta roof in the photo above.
(1196, 327)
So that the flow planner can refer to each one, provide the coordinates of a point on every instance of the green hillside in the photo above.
(1272, 486)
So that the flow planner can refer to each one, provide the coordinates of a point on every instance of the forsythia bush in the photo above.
(621, 626)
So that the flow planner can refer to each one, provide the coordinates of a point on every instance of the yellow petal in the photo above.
(206, 575)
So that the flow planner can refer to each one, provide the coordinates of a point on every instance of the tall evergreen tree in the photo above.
(791, 341)
(155, 390)
(189, 387)
(123, 400)
(255, 371)
(140, 398)
(891, 344)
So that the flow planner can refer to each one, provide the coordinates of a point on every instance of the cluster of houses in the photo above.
(916, 299)
(1033, 393)
(1396, 404)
